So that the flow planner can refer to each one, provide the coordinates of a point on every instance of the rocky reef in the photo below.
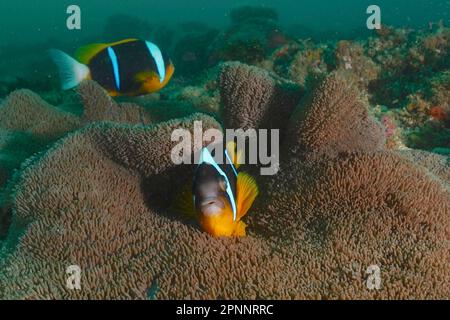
(99, 196)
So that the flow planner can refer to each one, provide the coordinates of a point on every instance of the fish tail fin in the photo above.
(71, 72)
(247, 191)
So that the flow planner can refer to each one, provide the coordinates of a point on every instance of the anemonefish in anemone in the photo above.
(130, 67)
(220, 195)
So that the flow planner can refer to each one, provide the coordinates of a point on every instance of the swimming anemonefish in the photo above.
(129, 67)
(220, 195)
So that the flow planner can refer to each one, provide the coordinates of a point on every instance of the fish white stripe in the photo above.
(206, 157)
(115, 64)
(159, 61)
(231, 163)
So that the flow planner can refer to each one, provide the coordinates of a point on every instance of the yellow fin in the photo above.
(86, 53)
(121, 41)
(236, 156)
(184, 203)
(240, 229)
(246, 193)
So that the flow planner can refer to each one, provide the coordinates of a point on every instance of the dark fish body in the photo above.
(129, 67)
(220, 195)
(220, 178)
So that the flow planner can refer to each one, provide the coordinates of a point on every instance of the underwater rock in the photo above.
(189, 53)
(250, 13)
(433, 134)
(350, 56)
(306, 63)
(201, 98)
(249, 38)
(254, 98)
(440, 91)
(407, 60)
(434, 48)
(415, 113)
(334, 118)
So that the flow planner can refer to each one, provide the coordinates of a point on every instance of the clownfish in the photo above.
(220, 195)
(129, 67)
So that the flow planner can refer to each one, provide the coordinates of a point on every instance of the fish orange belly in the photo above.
(222, 226)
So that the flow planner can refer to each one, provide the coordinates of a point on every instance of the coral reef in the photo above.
(253, 33)
(308, 62)
(401, 69)
(99, 198)
(350, 56)
(430, 136)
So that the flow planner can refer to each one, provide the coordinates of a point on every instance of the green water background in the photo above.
(34, 21)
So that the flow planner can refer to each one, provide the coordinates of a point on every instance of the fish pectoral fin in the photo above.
(142, 76)
(184, 203)
(246, 191)
(86, 53)
(145, 76)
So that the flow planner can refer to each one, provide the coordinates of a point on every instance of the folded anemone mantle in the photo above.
(339, 204)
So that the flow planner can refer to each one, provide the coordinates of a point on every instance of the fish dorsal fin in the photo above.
(86, 53)
(246, 193)
(236, 156)
(122, 41)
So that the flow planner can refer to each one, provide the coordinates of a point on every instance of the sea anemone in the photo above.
(99, 199)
